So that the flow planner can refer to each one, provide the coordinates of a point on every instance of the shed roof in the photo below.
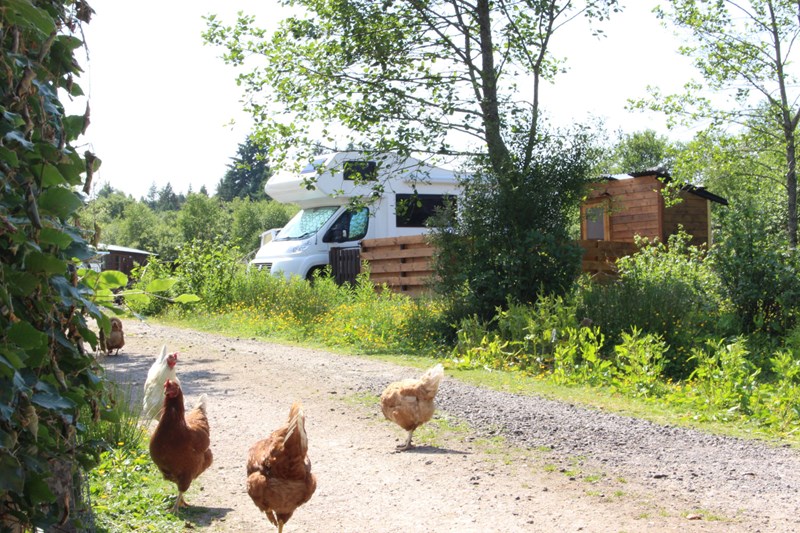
(702, 192)
(121, 249)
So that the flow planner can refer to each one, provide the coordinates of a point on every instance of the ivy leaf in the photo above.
(38, 262)
(37, 491)
(59, 201)
(26, 336)
(25, 14)
(51, 176)
(55, 237)
(52, 401)
(12, 478)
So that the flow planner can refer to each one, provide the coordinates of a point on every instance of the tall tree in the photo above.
(427, 76)
(167, 199)
(246, 175)
(641, 150)
(743, 51)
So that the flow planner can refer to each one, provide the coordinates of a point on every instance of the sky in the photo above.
(166, 109)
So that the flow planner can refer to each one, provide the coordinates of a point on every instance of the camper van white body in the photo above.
(324, 221)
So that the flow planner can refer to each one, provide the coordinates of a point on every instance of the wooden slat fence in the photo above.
(404, 263)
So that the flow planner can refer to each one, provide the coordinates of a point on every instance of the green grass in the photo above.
(128, 493)
(601, 398)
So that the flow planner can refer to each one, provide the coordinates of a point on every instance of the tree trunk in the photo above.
(499, 156)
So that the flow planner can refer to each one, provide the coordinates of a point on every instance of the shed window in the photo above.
(595, 223)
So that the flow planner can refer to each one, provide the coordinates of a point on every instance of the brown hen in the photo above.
(409, 403)
(279, 478)
(116, 338)
(180, 444)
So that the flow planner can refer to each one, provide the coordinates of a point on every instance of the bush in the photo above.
(508, 239)
(666, 290)
(759, 271)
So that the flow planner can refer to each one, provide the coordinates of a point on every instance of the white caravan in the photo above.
(324, 190)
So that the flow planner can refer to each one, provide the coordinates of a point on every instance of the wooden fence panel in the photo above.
(404, 263)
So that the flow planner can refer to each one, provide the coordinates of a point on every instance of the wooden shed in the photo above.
(121, 258)
(620, 207)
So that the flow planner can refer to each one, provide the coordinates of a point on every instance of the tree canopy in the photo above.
(429, 77)
(744, 53)
(246, 175)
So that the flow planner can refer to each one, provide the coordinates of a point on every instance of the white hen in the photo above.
(162, 370)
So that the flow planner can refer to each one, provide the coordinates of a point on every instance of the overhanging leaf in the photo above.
(187, 299)
(112, 279)
(160, 285)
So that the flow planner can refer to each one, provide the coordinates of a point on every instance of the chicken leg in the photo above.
(407, 445)
(179, 502)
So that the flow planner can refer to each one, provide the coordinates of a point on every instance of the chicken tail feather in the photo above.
(201, 403)
(432, 377)
(297, 424)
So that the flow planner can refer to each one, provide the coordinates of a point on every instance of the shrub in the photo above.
(759, 271)
(667, 290)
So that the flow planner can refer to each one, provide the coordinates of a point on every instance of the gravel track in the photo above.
(603, 472)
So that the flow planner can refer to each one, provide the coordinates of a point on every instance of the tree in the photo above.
(202, 218)
(246, 174)
(638, 151)
(250, 219)
(430, 77)
(167, 199)
(743, 49)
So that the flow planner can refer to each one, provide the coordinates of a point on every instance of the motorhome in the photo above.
(397, 195)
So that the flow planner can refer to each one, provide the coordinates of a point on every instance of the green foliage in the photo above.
(664, 289)
(208, 269)
(641, 360)
(759, 272)
(49, 382)
(251, 219)
(578, 360)
(202, 218)
(397, 76)
(724, 378)
(129, 494)
(509, 238)
(144, 277)
(246, 175)
(744, 51)
(639, 151)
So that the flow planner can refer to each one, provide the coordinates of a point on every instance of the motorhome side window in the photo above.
(413, 210)
(360, 170)
(350, 226)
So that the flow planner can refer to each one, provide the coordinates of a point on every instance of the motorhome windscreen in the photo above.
(306, 223)
(313, 166)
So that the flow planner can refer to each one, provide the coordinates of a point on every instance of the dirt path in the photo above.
(459, 482)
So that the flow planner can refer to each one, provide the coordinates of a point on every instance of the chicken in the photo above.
(279, 478)
(163, 369)
(409, 403)
(116, 339)
(180, 444)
